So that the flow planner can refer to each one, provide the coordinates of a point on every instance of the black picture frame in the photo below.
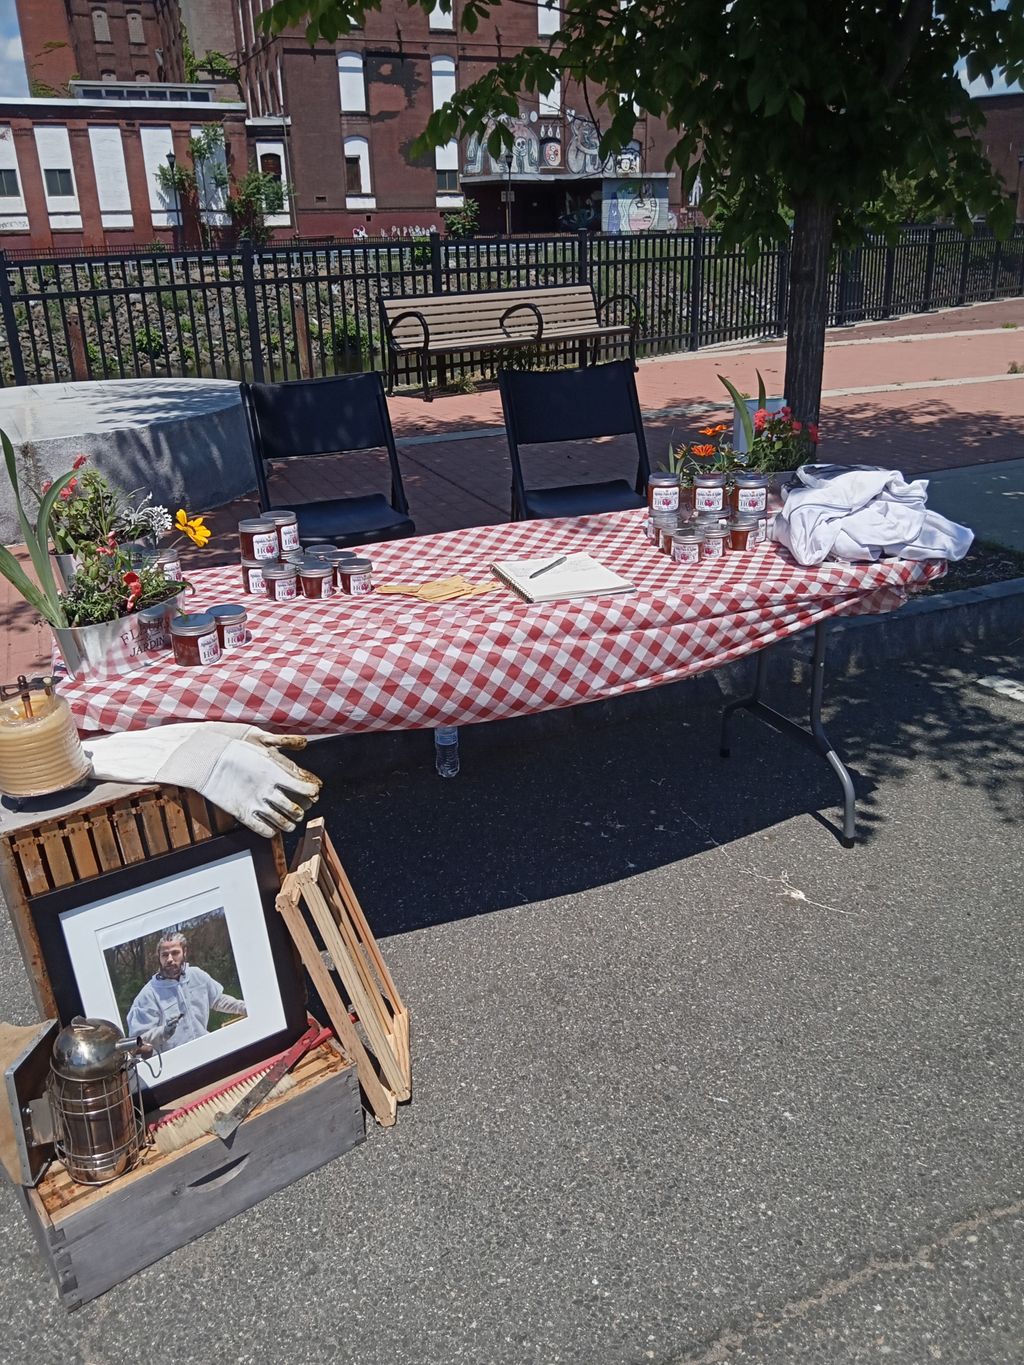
(46, 912)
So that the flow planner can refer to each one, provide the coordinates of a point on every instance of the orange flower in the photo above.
(702, 450)
(713, 431)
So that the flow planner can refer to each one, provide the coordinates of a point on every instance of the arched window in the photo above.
(549, 17)
(100, 26)
(357, 166)
(440, 18)
(136, 32)
(552, 102)
(442, 79)
(351, 83)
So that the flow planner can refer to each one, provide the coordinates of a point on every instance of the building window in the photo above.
(9, 184)
(447, 182)
(357, 166)
(440, 18)
(142, 77)
(552, 102)
(100, 26)
(442, 79)
(270, 164)
(549, 17)
(59, 184)
(136, 33)
(108, 75)
(351, 83)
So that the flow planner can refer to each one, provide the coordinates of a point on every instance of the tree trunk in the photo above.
(813, 225)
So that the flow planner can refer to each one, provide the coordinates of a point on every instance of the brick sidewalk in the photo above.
(921, 393)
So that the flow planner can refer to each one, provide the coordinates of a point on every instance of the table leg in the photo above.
(816, 736)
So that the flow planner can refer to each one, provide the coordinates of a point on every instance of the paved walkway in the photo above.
(922, 393)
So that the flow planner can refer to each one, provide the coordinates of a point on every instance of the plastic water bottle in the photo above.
(446, 750)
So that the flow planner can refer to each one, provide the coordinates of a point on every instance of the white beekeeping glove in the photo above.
(237, 767)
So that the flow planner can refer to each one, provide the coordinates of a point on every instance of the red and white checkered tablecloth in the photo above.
(383, 662)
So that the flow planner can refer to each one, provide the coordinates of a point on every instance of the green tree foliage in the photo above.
(792, 112)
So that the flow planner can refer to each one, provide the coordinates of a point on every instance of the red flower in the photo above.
(787, 411)
(133, 583)
(760, 417)
(812, 432)
(47, 485)
(65, 494)
(797, 428)
(79, 461)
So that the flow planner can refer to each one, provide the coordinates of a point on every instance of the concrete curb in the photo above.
(991, 617)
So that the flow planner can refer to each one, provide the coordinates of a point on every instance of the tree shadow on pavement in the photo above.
(557, 813)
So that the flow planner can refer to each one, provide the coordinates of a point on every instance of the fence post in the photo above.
(782, 291)
(1018, 237)
(694, 292)
(11, 323)
(929, 270)
(249, 289)
(582, 257)
(435, 263)
(965, 265)
(997, 260)
(888, 280)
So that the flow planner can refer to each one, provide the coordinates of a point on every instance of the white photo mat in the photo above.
(227, 885)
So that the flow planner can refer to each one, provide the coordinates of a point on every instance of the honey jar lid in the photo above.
(199, 623)
(274, 569)
(318, 548)
(663, 480)
(356, 565)
(315, 568)
(687, 534)
(229, 611)
(711, 479)
(751, 478)
(280, 516)
(256, 525)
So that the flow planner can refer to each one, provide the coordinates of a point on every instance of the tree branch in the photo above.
(915, 16)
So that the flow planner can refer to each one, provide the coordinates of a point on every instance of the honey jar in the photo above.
(195, 640)
(287, 524)
(712, 542)
(258, 539)
(281, 581)
(355, 576)
(319, 549)
(316, 578)
(664, 524)
(749, 494)
(252, 577)
(684, 545)
(230, 620)
(708, 492)
(169, 561)
(663, 493)
(743, 533)
(155, 627)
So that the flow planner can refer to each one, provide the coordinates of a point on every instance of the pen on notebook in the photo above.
(553, 565)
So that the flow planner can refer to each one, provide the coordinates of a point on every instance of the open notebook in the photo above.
(580, 576)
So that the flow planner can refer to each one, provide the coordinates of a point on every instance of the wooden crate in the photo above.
(92, 1238)
(68, 839)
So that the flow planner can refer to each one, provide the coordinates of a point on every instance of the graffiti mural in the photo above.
(634, 205)
(583, 155)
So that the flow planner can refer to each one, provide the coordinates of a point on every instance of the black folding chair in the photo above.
(569, 405)
(326, 417)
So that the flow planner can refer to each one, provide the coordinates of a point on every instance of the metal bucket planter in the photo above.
(739, 436)
(67, 567)
(110, 649)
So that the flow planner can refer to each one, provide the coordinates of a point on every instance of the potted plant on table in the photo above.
(775, 441)
(95, 619)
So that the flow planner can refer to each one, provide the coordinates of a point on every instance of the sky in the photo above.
(13, 80)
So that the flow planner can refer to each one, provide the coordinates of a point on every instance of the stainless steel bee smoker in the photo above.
(98, 1124)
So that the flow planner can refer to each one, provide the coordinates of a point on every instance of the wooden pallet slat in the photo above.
(79, 846)
(126, 827)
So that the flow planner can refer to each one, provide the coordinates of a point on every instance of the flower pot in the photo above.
(739, 436)
(109, 649)
(67, 567)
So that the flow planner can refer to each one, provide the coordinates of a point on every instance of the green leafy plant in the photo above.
(462, 222)
(109, 583)
(739, 402)
(149, 342)
(43, 595)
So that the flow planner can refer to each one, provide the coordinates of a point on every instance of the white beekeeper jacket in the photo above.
(859, 512)
(191, 996)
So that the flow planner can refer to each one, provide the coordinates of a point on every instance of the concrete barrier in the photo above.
(183, 440)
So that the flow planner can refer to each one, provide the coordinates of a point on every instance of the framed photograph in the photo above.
(185, 951)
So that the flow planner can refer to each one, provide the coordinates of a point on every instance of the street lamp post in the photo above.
(507, 159)
(171, 161)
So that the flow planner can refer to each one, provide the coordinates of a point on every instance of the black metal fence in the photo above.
(312, 308)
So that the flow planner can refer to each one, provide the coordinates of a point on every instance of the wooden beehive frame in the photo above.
(319, 882)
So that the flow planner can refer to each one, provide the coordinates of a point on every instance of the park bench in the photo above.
(438, 325)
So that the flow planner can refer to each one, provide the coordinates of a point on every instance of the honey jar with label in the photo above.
(281, 581)
(287, 524)
(230, 620)
(258, 539)
(195, 640)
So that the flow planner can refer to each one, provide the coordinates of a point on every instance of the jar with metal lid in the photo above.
(664, 522)
(743, 533)
(684, 546)
(355, 576)
(749, 493)
(330, 554)
(169, 562)
(713, 541)
(294, 557)
(663, 493)
(195, 640)
(230, 619)
(155, 626)
(252, 576)
(316, 578)
(258, 539)
(287, 524)
(281, 581)
(318, 549)
(708, 492)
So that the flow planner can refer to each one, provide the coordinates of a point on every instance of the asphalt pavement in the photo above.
(691, 1082)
